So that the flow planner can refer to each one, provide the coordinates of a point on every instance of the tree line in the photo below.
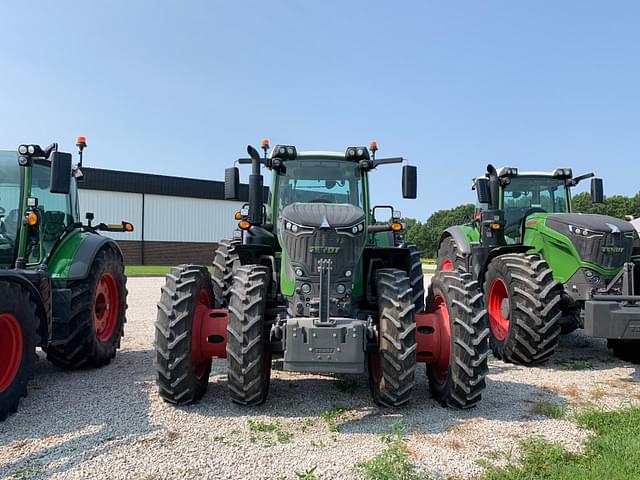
(426, 235)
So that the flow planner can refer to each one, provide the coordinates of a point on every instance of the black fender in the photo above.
(458, 235)
(498, 251)
(86, 254)
(374, 258)
(37, 283)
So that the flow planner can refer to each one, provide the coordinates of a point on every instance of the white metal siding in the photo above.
(113, 207)
(167, 218)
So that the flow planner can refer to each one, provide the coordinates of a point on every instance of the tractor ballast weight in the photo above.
(545, 270)
(62, 285)
(316, 280)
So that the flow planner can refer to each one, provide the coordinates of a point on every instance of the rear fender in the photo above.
(83, 259)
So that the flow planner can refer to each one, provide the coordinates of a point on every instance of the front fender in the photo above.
(463, 236)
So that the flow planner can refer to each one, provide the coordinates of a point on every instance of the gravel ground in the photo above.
(111, 424)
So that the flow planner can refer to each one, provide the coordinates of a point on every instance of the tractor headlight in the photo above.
(563, 173)
(357, 154)
(284, 152)
(22, 149)
(31, 149)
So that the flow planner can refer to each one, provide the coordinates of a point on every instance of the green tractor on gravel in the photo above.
(62, 285)
(318, 279)
(546, 270)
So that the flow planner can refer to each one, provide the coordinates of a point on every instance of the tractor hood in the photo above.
(599, 239)
(323, 215)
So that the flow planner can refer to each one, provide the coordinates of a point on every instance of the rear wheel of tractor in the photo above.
(98, 307)
(392, 368)
(18, 340)
(416, 277)
(457, 376)
(627, 350)
(450, 257)
(524, 307)
(182, 371)
(224, 260)
(248, 356)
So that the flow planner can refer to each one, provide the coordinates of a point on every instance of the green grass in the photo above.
(346, 385)
(332, 416)
(308, 474)
(613, 453)
(574, 364)
(549, 409)
(393, 462)
(148, 270)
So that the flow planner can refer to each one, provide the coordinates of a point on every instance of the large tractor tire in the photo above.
(627, 350)
(457, 376)
(416, 277)
(524, 307)
(248, 355)
(224, 260)
(96, 324)
(450, 257)
(392, 368)
(182, 372)
(18, 340)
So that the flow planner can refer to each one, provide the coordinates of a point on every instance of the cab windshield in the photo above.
(9, 205)
(320, 181)
(530, 194)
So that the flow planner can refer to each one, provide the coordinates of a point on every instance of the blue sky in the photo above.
(180, 88)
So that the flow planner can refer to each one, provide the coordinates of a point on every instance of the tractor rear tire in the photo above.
(627, 350)
(182, 377)
(459, 380)
(392, 368)
(224, 260)
(96, 324)
(18, 340)
(416, 277)
(450, 257)
(524, 308)
(248, 355)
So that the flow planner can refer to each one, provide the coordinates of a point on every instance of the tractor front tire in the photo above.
(457, 377)
(18, 340)
(96, 324)
(392, 368)
(182, 374)
(224, 260)
(524, 308)
(248, 355)
(450, 257)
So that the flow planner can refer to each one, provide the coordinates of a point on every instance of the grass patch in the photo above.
(393, 462)
(146, 270)
(346, 386)
(613, 453)
(575, 364)
(281, 436)
(332, 416)
(549, 409)
(308, 474)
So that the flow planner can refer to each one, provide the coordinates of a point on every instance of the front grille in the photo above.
(608, 250)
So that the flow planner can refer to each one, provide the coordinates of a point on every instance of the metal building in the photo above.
(176, 220)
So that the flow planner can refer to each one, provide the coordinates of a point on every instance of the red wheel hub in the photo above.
(11, 349)
(106, 307)
(209, 333)
(435, 339)
(499, 309)
(446, 265)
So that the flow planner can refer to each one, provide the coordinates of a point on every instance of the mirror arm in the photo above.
(386, 161)
(576, 180)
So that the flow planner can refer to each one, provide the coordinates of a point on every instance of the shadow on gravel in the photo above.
(80, 413)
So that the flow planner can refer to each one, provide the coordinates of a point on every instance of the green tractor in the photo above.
(546, 270)
(324, 282)
(62, 285)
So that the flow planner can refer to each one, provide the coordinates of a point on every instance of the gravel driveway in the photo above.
(110, 423)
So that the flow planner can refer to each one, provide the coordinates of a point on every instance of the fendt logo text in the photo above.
(318, 249)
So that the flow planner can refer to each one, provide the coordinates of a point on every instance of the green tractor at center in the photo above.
(545, 270)
(318, 279)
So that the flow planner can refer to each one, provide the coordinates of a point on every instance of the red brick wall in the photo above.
(166, 253)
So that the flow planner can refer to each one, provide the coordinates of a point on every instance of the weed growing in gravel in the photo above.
(574, 364)
(393, 462)
(548, 409)
(332, 416)
(308, 474)
(612, 453)
(345, 385)
(257, 426)
(264, 427)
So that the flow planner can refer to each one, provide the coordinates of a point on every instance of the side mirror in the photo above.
(483, 191)
(231, 183)
(409, 181)
(60, 172)
(379, 217)
(597, 190)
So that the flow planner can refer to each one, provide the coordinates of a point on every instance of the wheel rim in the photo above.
(499, 309)
(446, 265)
(106, 307)
(11, 349)
(440, 365)
(199, 361)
